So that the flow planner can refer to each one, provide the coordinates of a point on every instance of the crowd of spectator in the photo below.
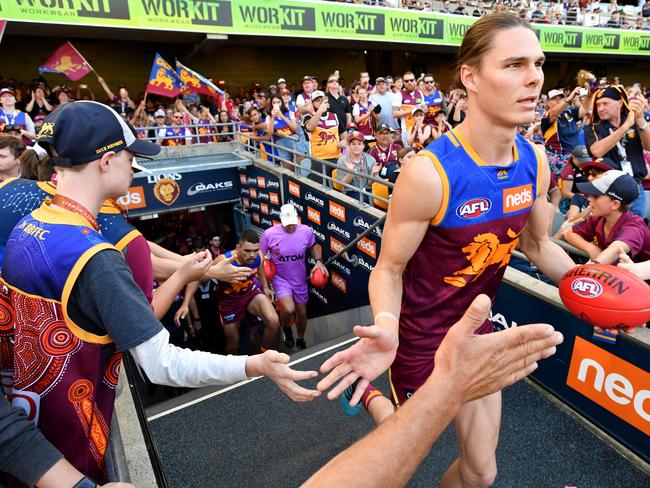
(572, 12)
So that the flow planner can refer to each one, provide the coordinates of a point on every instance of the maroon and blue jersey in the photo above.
(466, 248)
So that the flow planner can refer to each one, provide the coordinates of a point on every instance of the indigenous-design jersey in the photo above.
(63, 376)
(325, 138)
(483, 213)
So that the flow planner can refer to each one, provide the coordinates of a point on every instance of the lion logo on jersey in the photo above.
(485, 250)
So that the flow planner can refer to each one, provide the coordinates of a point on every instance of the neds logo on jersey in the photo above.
(517, 198)
(476, 207)
(586, 287)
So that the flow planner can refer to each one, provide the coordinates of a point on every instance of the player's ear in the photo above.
(467, 75)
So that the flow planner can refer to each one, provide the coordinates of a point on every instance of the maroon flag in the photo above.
(67, 61)
(3, 24)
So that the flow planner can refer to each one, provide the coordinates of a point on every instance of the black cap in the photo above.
(81, 132)
(609, 92)
(11, 128)
(614, 183)
(581, 154)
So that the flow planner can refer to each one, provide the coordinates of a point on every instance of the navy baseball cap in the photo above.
(80, 132)
(614, 183)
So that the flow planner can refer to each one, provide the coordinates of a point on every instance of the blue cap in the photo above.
(80, 132)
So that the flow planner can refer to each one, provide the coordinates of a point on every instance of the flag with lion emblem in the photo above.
(163, 80)
(67, 61)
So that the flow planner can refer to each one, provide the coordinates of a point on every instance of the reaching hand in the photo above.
(274, 365)
(195, 266)
(225, 271)
(319, 265)
(180, 314)
(479, 365)
(367, 359)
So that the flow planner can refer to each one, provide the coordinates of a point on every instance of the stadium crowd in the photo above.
(573, 12)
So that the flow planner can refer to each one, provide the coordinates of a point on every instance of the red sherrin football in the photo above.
(606, 295)
(318, 279)
(269, 268)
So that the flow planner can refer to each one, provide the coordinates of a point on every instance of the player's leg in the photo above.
(231, 331)
(477, 430)
(301, 297)
(287, 313)
(261, 306)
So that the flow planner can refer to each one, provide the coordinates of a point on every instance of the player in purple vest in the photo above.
(76, 306)
(286, 245)
(457, 212)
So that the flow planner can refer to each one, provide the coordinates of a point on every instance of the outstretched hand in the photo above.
(365, 360)
(479, 365)
(225, 271)
(275, 365)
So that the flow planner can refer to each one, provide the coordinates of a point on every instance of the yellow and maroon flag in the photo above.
(197, 83)
(163, 80)
(67, 61)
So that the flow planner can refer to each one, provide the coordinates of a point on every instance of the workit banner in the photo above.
(304, 19)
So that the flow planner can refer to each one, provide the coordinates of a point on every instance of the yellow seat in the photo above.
(380, 190)
(337, 186)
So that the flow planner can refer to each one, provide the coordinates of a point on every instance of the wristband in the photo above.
(385, 314)
(85, 482)
(645, 126)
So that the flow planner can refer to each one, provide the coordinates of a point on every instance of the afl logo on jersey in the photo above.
(474, 208)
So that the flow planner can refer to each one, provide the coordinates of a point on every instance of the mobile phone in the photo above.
(583, 92)
(83, 87)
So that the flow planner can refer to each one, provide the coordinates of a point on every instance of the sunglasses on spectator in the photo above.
(333, 80)
(178, 116)
(410, 80)
(428, 81)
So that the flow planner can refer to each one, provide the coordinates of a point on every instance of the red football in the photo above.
(318, 279)
(269, 269)
(606, 295)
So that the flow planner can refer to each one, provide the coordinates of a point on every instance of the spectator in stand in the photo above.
(121, 102)
(446, 7)
(404, 157)
(572, 12)
(645, 9)
(620, 132)
(215, 247)
(432, 97)
(225, 129)
(176, 134)
(560, 126)
(405, 102)
(441, 125)
(460, 9)
(364, 81)
(573, 171)
(261, 130)
(11, 149)
(338, 103)
(281, 84)
(363, 115)
(303, 100)
(325, 130)
(457, 107)
(206, 130)
(62, 95)
(38, 104)
(538, 13)
(398, 84)
(614, 21)
(479, 11)
(357, 160)
(420, 134)
(284, 127)
(10, 115)
(382, 101)
(385, 151)
(612, 228)
(264, 102)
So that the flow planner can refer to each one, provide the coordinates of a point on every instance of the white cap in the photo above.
(315, 94)
(159, 113)
(288, 215)
(281, 80)
(555, 93)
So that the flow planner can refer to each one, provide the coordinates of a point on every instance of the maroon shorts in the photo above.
(232, 308)
(411, 369)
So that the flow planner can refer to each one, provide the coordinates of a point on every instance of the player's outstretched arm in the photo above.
(535, 240)
(468, 367)
(408, 215)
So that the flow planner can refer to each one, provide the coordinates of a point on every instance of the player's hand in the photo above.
(268, 291)
(319, 265)
(180, 314)
(275, 366)
(195, 266)
(365, 360)
(225, 271)
(478, 365)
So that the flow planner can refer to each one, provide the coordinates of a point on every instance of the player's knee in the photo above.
(288, 310)
(479, 476)
(273, 322)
